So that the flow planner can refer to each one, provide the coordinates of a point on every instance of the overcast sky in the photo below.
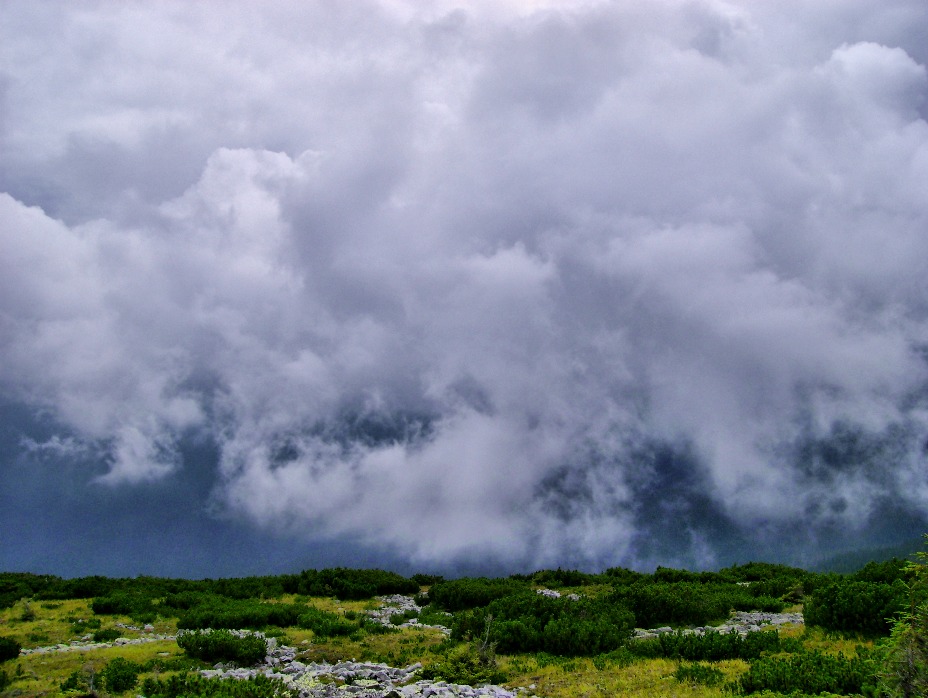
(473, 286)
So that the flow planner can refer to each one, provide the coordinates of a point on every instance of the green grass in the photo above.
(580, 678)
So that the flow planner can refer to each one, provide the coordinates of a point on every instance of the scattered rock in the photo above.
(398, 603)
(741, 622)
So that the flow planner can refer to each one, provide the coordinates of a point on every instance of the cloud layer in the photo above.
(613, 284)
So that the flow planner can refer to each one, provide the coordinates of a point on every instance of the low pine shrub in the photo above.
(106, 635)
(9, 649)
(137, 606)
(325, 624)
(711, 647)
(472, 664)
(119, 675)
(223, 646)
(811, 672)
(461, 594)
(349, 584)
(184, 685)
(530, 622)
(689, 602)
(852, 606)
(231, 613)
(76, 681)
(28, 613)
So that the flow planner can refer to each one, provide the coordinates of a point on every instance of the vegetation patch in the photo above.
(186, 685)
(223, 646)
(699, 673)
(9, 649)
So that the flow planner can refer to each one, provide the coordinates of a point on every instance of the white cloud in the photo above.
(542, 240)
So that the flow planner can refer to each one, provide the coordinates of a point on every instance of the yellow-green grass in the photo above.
(41, 623)
(332, 605)
(42, 674)
(399, 648)
(579, 678)
(832, 643)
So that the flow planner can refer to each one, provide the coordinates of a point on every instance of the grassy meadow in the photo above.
(498, 607)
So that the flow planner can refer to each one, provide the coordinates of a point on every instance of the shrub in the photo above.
(119, 675)
(9, 649)
(349, 584)
(76, 681)
(28, 613)
(808, 672)
(904, 672)
(230, 613)
(882, 572)
(184, 685)
(135, 605)
(530, 622)
(325, 624)
(223, 646)
(711, 647)
(106, 635)
(472, 664)
(461, 594)
(427, 580)
(689, 602)
(848, 605)
(562, 578)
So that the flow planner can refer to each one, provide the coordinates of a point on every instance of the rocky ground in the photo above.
(741, 622)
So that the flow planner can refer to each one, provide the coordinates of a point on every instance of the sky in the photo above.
(473, 287)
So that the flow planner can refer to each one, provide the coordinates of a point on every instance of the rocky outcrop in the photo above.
(354, 679)
(741, 622)
(85, 645)
(397, 603)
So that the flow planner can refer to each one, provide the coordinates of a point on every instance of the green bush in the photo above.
(472, 664)
(190, 685)
(119, 675)
(461, 594)
(710, 647)
(325, 624)
(9, 649)
(76, 681)
(808, 672)
(904, 670)
(133, 604)
(555, 579)
(348, 584)
(232, 613)
(530, 622)
(689, 603)
(28, 613)
(4, 680)
(427, 580)
(106, 635)
(849, 605)
(81, 626)
(223, 646)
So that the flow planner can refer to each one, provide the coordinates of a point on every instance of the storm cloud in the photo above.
(519, 283)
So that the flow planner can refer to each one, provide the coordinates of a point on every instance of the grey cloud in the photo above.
(511, 284)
